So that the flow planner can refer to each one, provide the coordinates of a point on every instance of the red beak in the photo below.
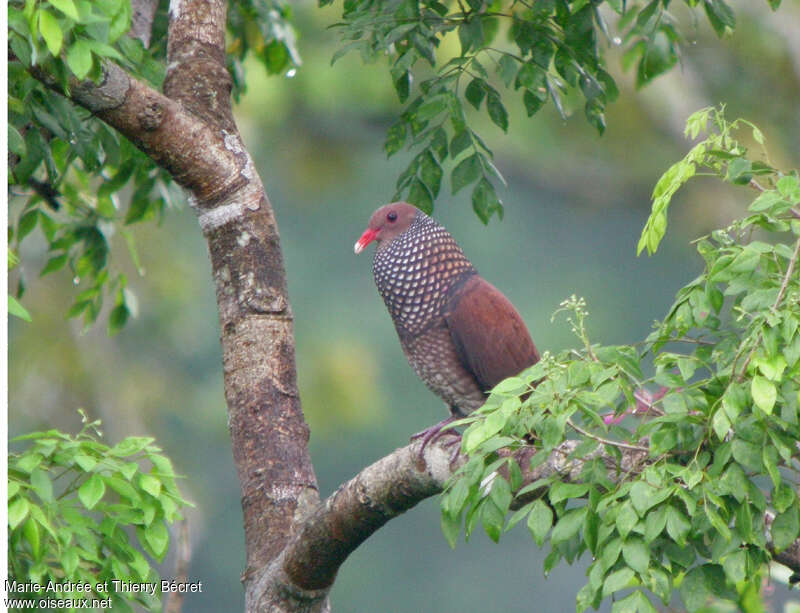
(366, 238)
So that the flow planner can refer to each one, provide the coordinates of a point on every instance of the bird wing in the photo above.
(490, 337)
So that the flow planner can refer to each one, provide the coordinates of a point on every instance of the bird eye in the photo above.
(391, 216)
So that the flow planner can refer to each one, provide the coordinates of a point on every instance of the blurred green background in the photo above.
(575, 205)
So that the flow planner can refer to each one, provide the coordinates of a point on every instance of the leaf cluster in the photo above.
(544, 50)
(709, 402)
(263, 28)
(71, 175)
(74, 504)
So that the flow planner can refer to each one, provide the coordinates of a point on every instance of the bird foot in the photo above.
(434, 433)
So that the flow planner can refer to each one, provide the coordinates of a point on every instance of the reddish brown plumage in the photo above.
(489, 335)
(461, 335)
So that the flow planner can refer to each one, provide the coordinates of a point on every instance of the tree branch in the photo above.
(307, 567)
(394, 484)
(194, 153)
(197, 75)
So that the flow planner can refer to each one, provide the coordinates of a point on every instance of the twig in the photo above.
(758, 187)
(788, 275)
(644, 399)
(605, 441)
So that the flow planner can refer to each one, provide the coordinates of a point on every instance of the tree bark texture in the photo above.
(295, 544)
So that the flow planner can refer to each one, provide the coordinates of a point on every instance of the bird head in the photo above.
(387, 223)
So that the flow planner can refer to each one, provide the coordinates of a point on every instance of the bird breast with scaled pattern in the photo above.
(415, 273)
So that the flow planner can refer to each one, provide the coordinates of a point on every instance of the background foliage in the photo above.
(573, 211)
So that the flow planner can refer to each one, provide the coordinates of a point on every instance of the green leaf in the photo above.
(79, 58)
(475, 92)
(451, 528)
(564, 491)
(16, 144)
(789, 186)
(13, 488)
(27, 222)
(721, 424)
(29, 461)
(104, 50)
(500, 494)
(123, 488)
(783, 497)
(86, 463)
(67, 7)
(610, 553)
(539, 521)
(157, 537)
(497, 112)
(636, 602)
(747, 454)
(485, 201)
(785, 529)
(131, 445)
(117, 318)
(492, 519)
(92, 491)
(626, 519)
(716, 520)
(139, 564)
(765, 201)
(618, 580)
(677, 525)
(655, 523)
(430, 172)
(402, 84)
(466, 172)
(70, 560)
(700, 585)
(507, 68)
(53, 264)
(31, 533)
(420, 196)
(276, 51)
(17, 310)
(150, 484)
(51, 32)
(432, 107)
(470, 34)
(719, 15)
(636, 554)
(646, 13)
(17, 511)
(643, 496)
(735, 566)
(395, 138)
(740, 171)
(459, 143)
(41, 484)
(764, 393)
(568, 526)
